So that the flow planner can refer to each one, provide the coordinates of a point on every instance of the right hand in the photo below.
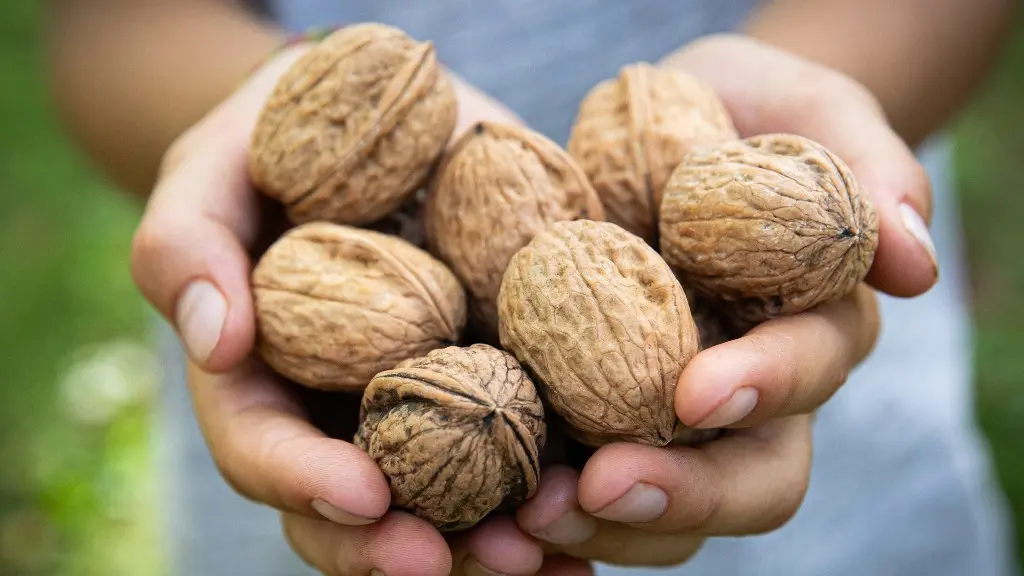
(191, 258)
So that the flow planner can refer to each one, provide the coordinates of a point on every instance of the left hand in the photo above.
(638, 505)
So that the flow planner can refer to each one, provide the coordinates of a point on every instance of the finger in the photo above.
(786, 366)
(190, 253)
(267, 451)
(850, 125)
(747, 482)
(565, 566)
(620, 544)
(768, 90)
(399, 545)
(496, 546)
(553, 515)
(189, 256)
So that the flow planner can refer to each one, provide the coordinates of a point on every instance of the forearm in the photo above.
(922, 59)
(129, 77)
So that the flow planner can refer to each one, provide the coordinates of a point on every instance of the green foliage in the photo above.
(990, 146)
(74, 399)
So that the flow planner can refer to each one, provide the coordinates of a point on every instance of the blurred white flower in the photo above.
(104, 379)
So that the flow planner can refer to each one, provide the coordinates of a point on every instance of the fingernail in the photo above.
(339, 516)
(914, 224)
(200, 316)
(574, 527)
(737, 408)
(472, 567)
(642, 503)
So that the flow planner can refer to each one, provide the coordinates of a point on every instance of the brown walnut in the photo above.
(354, 127)
(633, 130)
(604, 326)
(770, 225)
(500, 185)
(458, 433)
(336, 304)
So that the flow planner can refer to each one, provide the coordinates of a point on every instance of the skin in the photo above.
(868, 79)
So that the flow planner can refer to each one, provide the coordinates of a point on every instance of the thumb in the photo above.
(189, 254)
(189, 257)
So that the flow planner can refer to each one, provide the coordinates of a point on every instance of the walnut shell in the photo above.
(458, 433)
(354, 127)
(497, 188)
(632, 131)
(336, 304)
(771, 225)
(603, 326)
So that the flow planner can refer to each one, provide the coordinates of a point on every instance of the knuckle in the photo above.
(228, 466)
(818, 91)
(785, 509)
(780, 352)
(148, 243)
(702, 493)
(919, 188)
(177, 152)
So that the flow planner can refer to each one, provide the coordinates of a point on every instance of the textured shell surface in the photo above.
(336, 304)
(458, 433)
(772, 225)
(633, 130)
(498, 187)
(354, 127)
(604, 326)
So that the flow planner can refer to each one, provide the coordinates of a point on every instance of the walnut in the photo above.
(632, 131)
(771, 225)
(458, 434)
(354, 127)
(336, 304)
(499, 186)
(603, 325)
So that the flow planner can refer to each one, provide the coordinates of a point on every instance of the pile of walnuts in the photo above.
(578, 281)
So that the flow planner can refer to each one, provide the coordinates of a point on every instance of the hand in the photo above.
(638, 505)
(192, 259)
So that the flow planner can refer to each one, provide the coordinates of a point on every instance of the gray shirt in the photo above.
(901, 482)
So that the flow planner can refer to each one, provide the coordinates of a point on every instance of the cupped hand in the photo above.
(638, 505)
(192, 257)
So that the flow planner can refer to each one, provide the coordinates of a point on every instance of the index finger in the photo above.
(783, 367)
(768, 90)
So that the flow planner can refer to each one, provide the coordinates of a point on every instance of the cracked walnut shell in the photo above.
(633, 130)
(603, 325)
(770, 225)
(335, 305)
(498, 187)
(458, 433)
(354, 127)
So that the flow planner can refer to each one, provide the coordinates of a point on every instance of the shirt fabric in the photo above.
(901, 482)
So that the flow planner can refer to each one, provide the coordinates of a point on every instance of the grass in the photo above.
(77, 385)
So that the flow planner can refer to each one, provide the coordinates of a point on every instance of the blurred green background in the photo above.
(78, 380)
